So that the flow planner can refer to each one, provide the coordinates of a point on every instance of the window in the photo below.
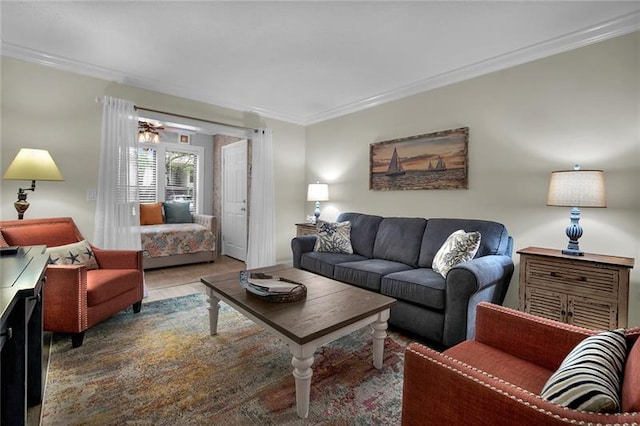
(170, 172)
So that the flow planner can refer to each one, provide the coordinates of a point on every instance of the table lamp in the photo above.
(576, 188)
(317, 192)
(31, 164)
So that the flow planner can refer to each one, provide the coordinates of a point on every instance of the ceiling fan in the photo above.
(148, 132)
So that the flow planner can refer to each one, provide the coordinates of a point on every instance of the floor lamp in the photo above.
(31, 164)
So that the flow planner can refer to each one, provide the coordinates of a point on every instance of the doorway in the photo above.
(234, 200)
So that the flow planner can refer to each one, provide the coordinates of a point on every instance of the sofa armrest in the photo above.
(65, 298)
(440, 390)
(300, 245)
(541, 341)
(482, 279)
(205, 220)
(118, 259)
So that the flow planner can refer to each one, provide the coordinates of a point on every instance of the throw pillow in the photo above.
(177, 212)
(333, 237)
(151, 214)
(79, 253)
(589, 377)
(459, 247)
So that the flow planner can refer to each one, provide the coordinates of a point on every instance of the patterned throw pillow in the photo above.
(334, 237)
(589, 377)
(73, 254)
(459, 247)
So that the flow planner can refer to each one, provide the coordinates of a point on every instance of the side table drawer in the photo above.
(585, 279)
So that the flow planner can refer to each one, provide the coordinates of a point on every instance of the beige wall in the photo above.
(577, 107)
(51, 109)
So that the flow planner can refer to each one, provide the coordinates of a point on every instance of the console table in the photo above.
(306, 229)
(21, 280)
(589, 291)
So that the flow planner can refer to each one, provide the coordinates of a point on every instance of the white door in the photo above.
(234, 200)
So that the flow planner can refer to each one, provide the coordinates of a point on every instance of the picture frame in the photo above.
(436, 160)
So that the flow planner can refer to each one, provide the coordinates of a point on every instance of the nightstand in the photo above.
(305, 229)
(589, 291)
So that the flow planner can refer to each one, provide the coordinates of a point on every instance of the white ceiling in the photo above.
(302, 61)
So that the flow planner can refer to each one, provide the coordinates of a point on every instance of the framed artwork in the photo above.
(432, 161)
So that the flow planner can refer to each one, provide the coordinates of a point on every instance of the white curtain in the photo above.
(116, 219)
(261, 250)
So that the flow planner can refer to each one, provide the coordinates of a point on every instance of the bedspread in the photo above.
(175, 238)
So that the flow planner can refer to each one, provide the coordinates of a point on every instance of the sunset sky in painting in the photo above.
(415, 154)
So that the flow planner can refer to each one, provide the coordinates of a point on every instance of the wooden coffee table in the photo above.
(331, 310)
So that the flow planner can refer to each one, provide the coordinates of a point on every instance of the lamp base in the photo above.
(22, 204)
(573, 252)
(574, 232)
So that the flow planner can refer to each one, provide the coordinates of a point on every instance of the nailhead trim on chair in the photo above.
(511, 396)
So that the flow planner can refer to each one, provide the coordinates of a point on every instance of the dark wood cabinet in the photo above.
(21, 383)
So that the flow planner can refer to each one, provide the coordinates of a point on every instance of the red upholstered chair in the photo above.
(76, 298)
(496, 379)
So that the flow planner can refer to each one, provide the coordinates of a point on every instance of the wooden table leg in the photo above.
(379, 333)
(302, 372)
(214, 309)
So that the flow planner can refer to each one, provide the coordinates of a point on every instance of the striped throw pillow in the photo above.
(589, 377)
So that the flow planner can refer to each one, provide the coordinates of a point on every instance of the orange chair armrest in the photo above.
(439, 390)
(118, 259)
(538, 340)
(65, 298)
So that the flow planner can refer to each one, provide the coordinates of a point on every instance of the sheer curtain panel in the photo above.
(261, 250)
(117, 223)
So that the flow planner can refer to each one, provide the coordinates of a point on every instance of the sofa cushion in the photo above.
(423, 287)
(151, 214)
(177, 212)
(459, 247)
(630, 398)
(51, 235)
(324, 263)
(495, 239)
(367, 273)
(364, 228)
(105, 284)
(79, 253)
(512, 369)
(399, 240)
(589, 377)
(333, 237)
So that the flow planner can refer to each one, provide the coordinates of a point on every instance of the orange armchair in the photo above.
(496, 379)
(76, 298)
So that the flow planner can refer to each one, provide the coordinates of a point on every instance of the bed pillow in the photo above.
(459, 247)
(334, 237)
(589, 377)
(177, 212)
(79, 253)
(151, 214)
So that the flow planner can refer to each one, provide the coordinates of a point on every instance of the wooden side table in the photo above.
(589, 291)
(305, 229)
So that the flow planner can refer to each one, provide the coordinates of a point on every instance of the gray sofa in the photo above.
(393, 256)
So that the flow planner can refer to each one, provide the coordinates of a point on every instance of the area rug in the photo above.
(161, 367)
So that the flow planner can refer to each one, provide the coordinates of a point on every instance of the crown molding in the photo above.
(616, 27)
(82, 68)
(613, 28)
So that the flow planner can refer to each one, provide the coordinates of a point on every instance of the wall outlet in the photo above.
(92, 193)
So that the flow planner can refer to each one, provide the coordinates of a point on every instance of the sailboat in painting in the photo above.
(395, 167)
(439, 167)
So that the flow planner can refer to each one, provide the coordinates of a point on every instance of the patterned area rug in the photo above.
(161, 367)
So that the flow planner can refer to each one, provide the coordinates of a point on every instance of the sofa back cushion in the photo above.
(364, 228)
(399, 239)
(50, 234)
(494, 238)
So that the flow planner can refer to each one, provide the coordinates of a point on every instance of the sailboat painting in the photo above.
(430, 161)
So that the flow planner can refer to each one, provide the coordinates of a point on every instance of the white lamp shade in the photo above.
(577, 188)
(33, 164)
(318, 192)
